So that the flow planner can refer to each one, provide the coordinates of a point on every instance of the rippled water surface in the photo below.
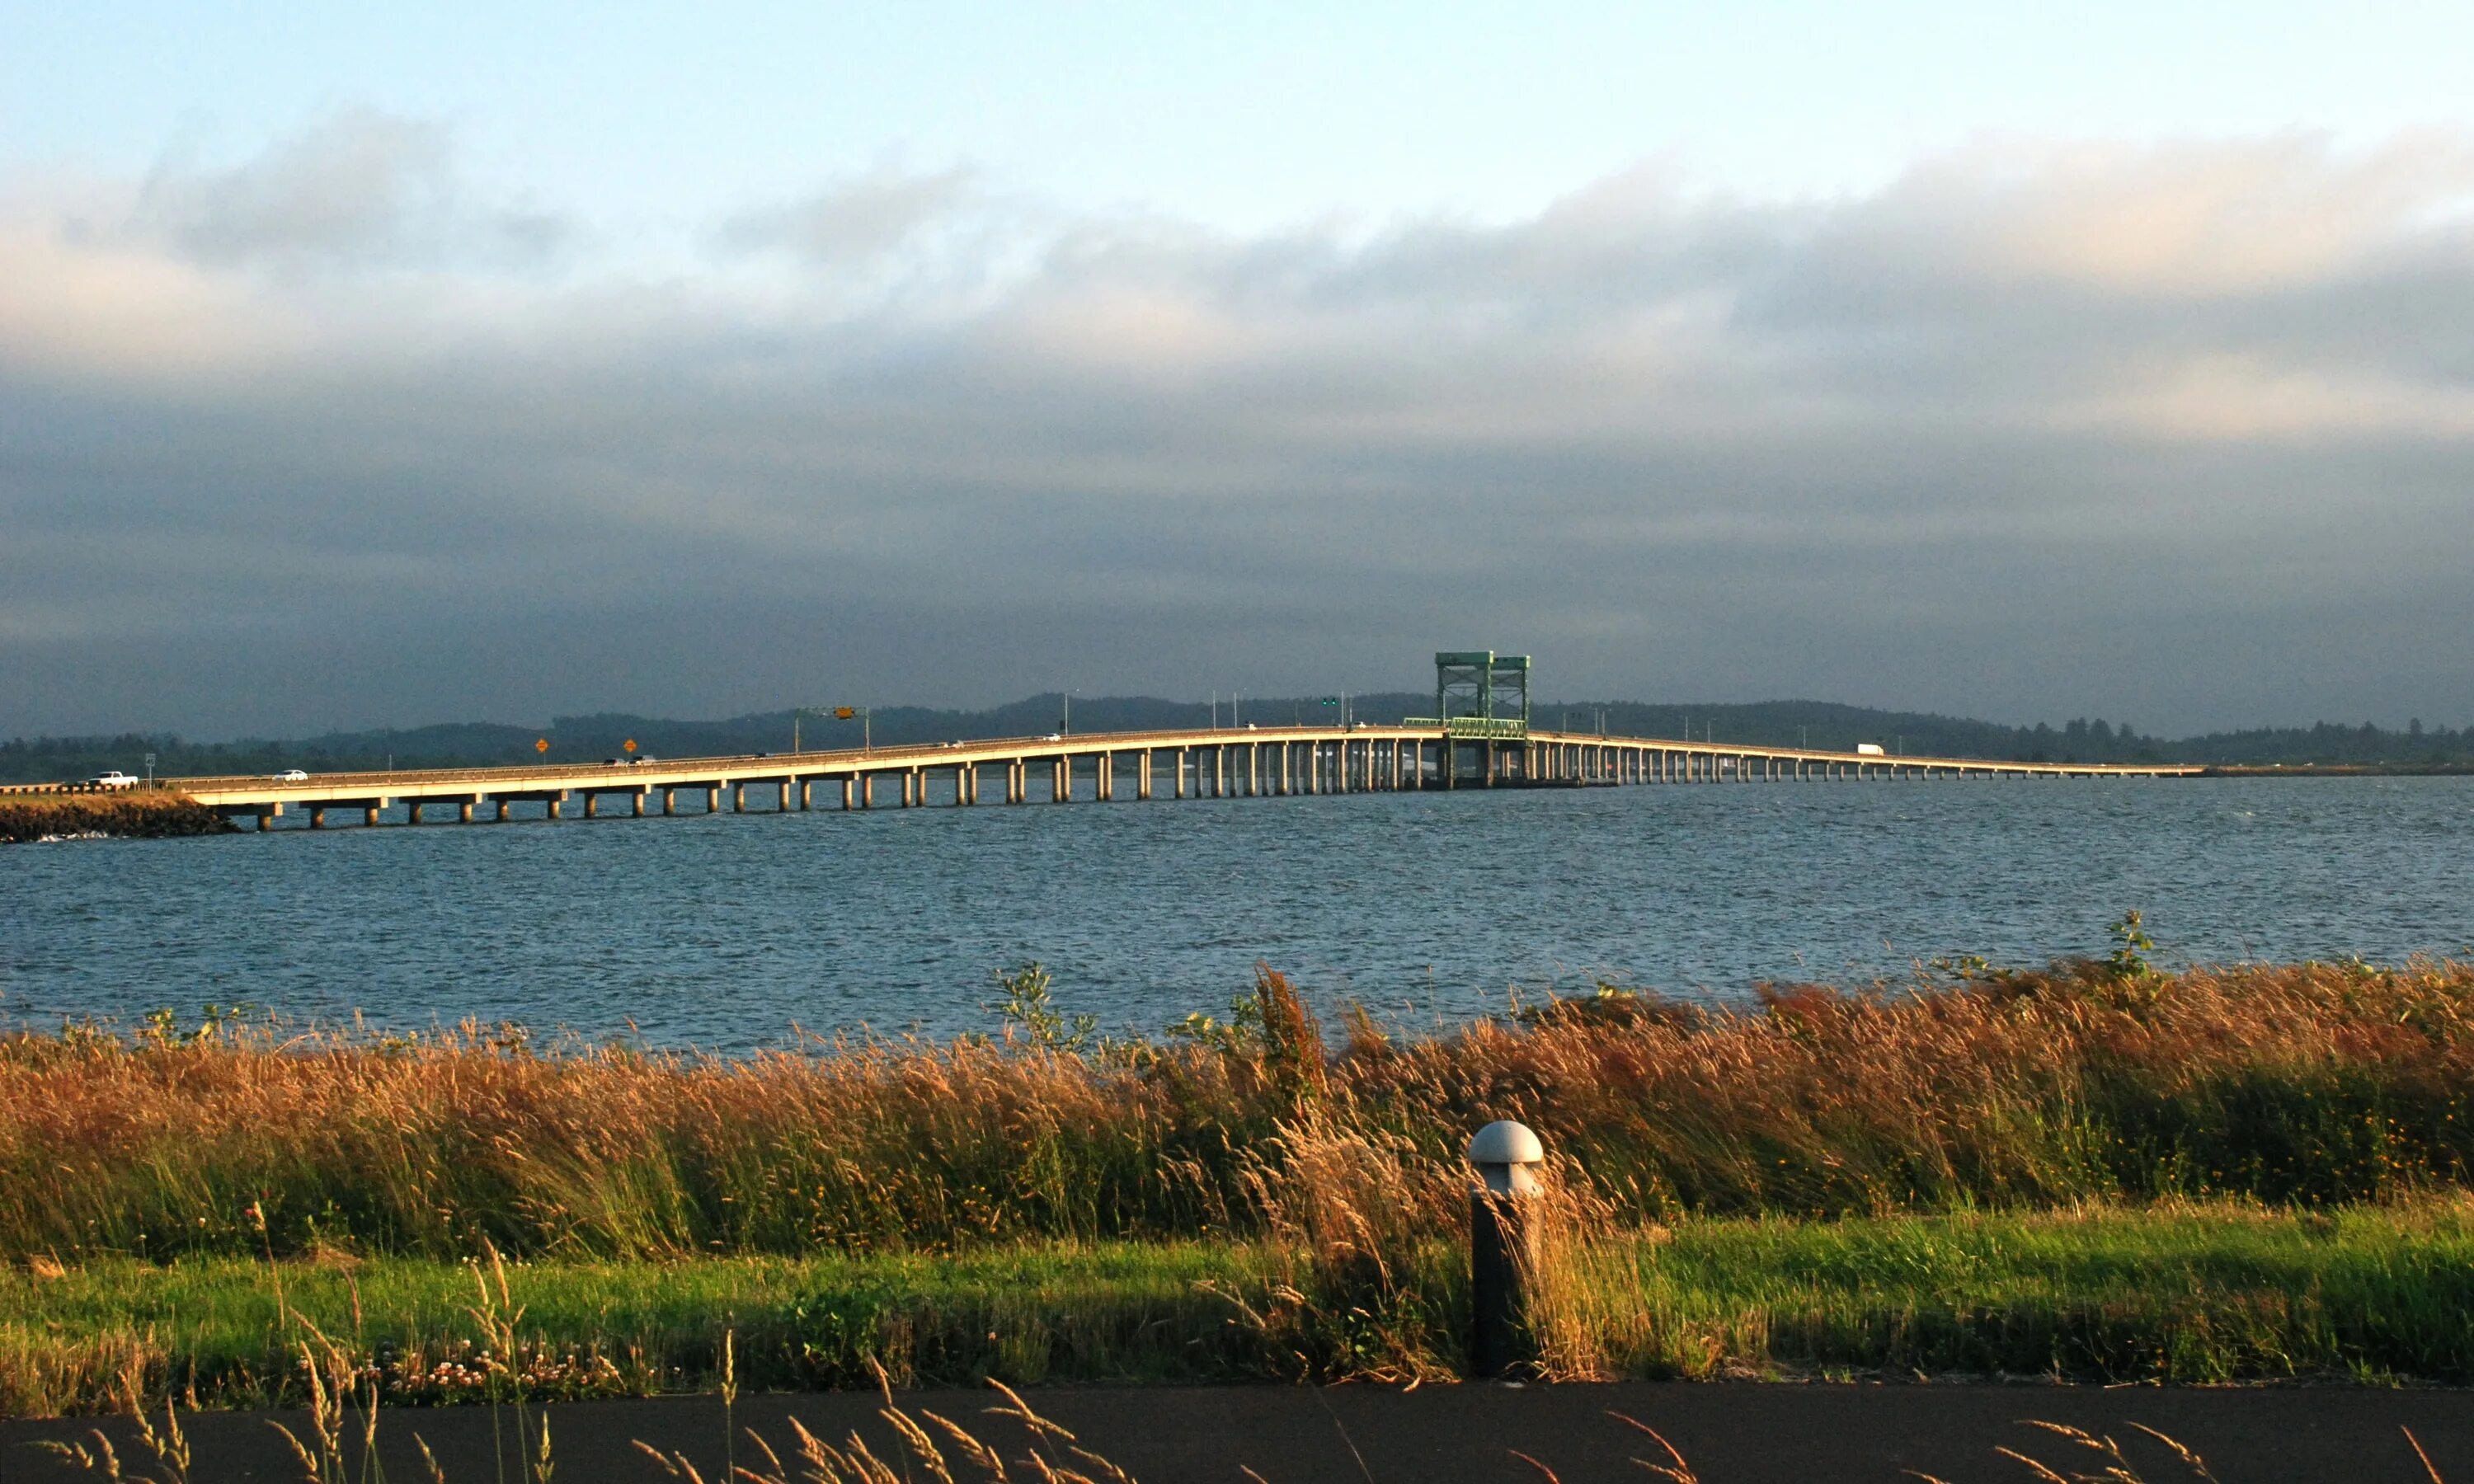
(727, 930)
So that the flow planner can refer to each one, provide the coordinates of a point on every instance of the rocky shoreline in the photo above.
(155, 814)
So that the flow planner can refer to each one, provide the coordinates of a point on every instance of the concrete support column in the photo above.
(412, 812)
(1143, 774)
(592, 805)
(738, 798)
(317, 817)
(464, 810)
(807, 795)
(369, 817)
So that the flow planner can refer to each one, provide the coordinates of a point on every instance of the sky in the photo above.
(512, 361)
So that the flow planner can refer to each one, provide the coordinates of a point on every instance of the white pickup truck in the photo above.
(112, 779)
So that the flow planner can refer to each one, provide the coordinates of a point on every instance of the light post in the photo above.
(1065, 725)
(150, 770)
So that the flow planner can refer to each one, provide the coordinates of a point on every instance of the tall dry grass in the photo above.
(2083, 1083)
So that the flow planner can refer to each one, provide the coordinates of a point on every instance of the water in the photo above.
(726, 931)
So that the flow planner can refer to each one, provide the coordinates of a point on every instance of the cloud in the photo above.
(359, 188)
(859, 220)
(2179, 431)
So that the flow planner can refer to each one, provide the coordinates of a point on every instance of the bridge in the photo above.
(1246, 762)
(1480, 736)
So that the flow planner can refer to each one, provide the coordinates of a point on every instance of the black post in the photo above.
(1502, 1249)
(1499, 1339)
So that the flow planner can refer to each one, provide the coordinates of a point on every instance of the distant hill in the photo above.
(1778, 723)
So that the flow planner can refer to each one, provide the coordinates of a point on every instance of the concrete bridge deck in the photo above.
(1227, 762)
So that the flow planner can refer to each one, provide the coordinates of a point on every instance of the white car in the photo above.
(1054, 737)
(112, 779)
(291, 775)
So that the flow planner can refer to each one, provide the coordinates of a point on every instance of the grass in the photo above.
(139, 814)
(2213, 1294)
(2093, 1169)
(2090, 1084)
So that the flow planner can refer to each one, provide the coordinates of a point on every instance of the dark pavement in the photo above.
(1730, 1433)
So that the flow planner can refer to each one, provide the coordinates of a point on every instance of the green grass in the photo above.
(2190, 1294)
(2194, 1294)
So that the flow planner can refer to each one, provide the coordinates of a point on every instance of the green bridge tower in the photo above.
(1482, 705)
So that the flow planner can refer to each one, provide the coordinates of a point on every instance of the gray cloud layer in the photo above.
(2177, 434)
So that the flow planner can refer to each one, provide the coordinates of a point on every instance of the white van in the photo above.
(1870, 749)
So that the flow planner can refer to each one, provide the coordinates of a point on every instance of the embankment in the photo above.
(139, 814)
(2093, 1170)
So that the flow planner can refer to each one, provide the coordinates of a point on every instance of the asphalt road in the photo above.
(1728, 1433)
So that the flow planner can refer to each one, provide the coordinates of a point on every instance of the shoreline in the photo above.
(137, 814)
(2095, 1169)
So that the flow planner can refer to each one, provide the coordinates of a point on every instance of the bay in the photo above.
(726, 931)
